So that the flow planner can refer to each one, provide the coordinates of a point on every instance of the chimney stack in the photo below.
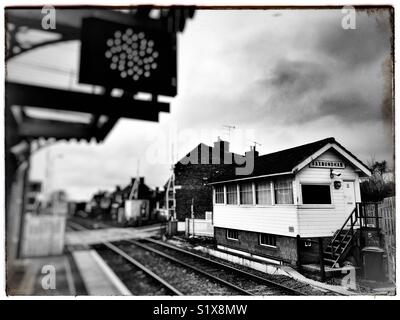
(253, 152)
(220, 152)
(221, 145)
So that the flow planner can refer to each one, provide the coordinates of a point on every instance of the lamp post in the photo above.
(49, 175)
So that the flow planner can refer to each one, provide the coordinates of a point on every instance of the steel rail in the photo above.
(188, 266)
(142, 267)
(222, 265)
(132, 261)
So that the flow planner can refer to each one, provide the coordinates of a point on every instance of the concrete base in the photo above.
(328, 270)
(274, 269)
(313, 271)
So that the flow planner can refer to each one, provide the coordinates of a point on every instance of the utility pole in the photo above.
(192, 214)
(170, 200)
(50, 170)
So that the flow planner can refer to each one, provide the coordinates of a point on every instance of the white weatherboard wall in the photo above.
(265, 219)
(320, 221)
(307, 221)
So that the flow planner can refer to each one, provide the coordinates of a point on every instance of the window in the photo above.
(263, 192)
(267, 239)
(246, 193)
(316, 194)
(231, 194)
(232, 234)
(219, 194)
(283, 191)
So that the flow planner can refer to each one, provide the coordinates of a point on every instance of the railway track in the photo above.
(175, 266)
(224, 285)
(243, 282)
(153, 283)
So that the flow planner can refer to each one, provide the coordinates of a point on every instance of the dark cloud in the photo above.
(336, 73)
(296, 78)
(353, 48)
(349, 107)
(387, 99)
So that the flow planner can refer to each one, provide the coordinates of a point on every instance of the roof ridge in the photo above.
(330, 139)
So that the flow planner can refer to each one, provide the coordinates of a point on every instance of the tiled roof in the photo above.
(285, 160)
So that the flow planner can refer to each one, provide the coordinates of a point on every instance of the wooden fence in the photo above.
(387, 214)
(199, 227)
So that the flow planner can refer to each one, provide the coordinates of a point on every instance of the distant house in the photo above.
(190, 191)
(99, 205)
(134, 203)
(303, 192)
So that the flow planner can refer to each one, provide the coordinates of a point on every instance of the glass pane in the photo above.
(219, 194)
(232, 234)
(316, 194)
(268, 239)
(283, 191)
(231, 194)
(246, 193)
(263, 192)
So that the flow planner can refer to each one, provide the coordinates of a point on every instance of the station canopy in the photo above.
(98, 65)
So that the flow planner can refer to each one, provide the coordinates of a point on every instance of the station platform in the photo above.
(81, 272)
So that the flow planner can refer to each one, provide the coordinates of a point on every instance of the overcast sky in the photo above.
(282, 78)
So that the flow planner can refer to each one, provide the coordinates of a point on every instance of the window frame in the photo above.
(271, 193)
(229, 238)
(240, 194)
(223, 194)
(315, 205)
(291, 179)
(266, 245)
(235, 185)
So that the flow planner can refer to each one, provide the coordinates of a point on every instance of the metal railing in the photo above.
(365, 215)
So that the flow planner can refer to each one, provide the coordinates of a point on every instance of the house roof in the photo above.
(202, 146)
(286, 161)
(223, 171)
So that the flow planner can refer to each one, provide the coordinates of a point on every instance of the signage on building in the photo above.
(327, 164)
(134, 57)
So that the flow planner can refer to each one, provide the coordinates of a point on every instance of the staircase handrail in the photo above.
(350, 217)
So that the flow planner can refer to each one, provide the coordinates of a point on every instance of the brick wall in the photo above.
(286, 247)
(193, 179)
(310, 254)
(202, 165)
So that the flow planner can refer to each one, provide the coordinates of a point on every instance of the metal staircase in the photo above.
(345, 237)
(342, 240)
